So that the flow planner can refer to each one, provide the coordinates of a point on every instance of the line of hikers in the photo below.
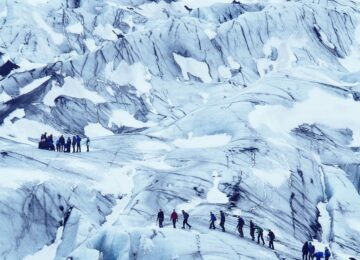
(47, 143)
(175, 218)
(309, 252)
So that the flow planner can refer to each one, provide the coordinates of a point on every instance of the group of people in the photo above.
(309, 252)
(240, 225)
(47, 143)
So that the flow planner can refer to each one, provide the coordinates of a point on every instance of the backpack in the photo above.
(213, 218)
(186, 215)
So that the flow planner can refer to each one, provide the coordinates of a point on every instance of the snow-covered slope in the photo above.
(248, 107)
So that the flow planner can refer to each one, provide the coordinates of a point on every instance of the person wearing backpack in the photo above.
(240, 226)
(311, 251)
(73, 143)
(212, 221)
(327, 253)
(305, 251)
(271, 239)
(160, 218)
(252, 230)
(174, 218)
(186, 218)
(318, 255)
(222, 220)
(260, 231)
(78, 144)
(87, 144)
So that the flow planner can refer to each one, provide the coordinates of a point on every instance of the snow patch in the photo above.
(57, 38)
(194, 67)
(106, 32)
(206, 141)
(224, 72)
(33, 85)
(215, 195)
(76, 28)
(210, 33)
(96, 130)
(124, 118)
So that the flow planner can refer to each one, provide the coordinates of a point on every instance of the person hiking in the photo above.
(271, 236)
(58, 145)
(260, 231)
(327, 253)
(212, 221)
(305, 251)
(222, 220)
(68, 145)
(62, 143)
(318, 255)
(252, 230)
(78, 144)
(174, 218)
(186, 218)
(160, 218)
(87, 144)
(73, 143)
(240, 226)
(311, 251)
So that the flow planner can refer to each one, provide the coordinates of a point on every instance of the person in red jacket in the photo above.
(174, 218)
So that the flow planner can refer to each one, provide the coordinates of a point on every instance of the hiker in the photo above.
(73, 143)
(160, 218)
(212, 221)
(62, 143)
(87, 144)
(222, 220)
(240, 226)
(50, 143)
(327, 253)
(260, 231)
(271, 239)
(58, 145)
(186, 218)
(311, 251)
(78, 142)
(68, 146)
(318, 255)
(305, 251)
(252, 230)
(174, 218)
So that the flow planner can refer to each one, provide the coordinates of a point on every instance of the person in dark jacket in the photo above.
(78, 144)
(252, 230)
(87, 144)
(58, 145)
(305, 251)
(311, 251)
(240, 226)
(271, 239)
(186, 218)
(62, 143)
(68, 145)
(318, 255)
(260, 231)
(160, 218)
(73, 143)
(212, 221)
(222, 220)
(327, 253)
(174, 218)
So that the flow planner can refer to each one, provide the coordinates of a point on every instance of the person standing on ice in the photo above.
(222, 220)
(87, 144)
(186, 218)
(252, 230)
(160, 218)
(327, 253)
(318, 255)
(174, 218)
(305, 251)
(73, 143)
(271, 239)
(62, 143)
(240, 226)
(311, 251)
(212, 220)
(68, 146)
(78, 144)
(260, 231)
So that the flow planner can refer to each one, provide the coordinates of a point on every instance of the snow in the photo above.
(4, 12)
(335, 111)
(73, 88)
(36, 2)
(200, 3)
(33, 85)
(14, 178)
(96, 130)
(210, 33)
(91, 45)
(25, 65)
(4, 97)
(124, 118)
(135, 74)
(206, 141)
(224, 72)
(57, 38)
(325, 222)
(215, 195)
(275, 177)
(76, 28)
(106, 32)
(16, 130)
(194, 67)
(233, 64)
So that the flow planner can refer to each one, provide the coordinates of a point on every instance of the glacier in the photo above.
(249, 107)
